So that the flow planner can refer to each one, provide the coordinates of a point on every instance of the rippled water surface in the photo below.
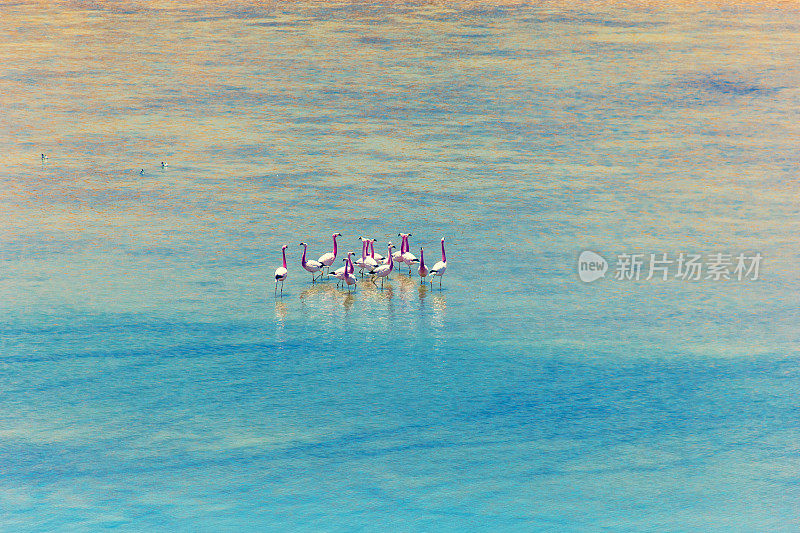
(151, 380)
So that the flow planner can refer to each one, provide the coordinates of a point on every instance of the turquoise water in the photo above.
(151, 380)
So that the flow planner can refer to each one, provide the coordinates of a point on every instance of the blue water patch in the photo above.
(155, 377)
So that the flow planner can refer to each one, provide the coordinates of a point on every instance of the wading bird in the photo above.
(360, 261)
(328, 258)
(440, 267)
(339, 272)
(398, 255)
(366, 262)
(311, 265)
(377, 257)
(422, 270)
(409, 258)
(281, 272)
(383, 271)
(349, 278)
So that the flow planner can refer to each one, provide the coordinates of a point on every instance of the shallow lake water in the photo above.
(150, 378)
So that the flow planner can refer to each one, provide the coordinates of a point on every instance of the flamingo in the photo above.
(422, 270)
(44, 157)
(384, 270)
(339, 272)
(311, 266)
(360, 261)
(281, 272)
(377, 257)
(398, 255)
(349, 278)
(440, 267)
(407, 257)
(328, 258)
(366, 262)
(164, 164)
(370, 260)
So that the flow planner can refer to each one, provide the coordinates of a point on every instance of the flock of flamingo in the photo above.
(370, 263)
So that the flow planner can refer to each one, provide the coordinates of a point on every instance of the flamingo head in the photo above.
(303, 244)
(285, 246)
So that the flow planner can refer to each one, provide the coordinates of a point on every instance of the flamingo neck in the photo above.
(284, 257)
(389, 255)
(444, 259)
(421, 258)
(372, 249)
(303, 261)
(404, 245)
(334, 246)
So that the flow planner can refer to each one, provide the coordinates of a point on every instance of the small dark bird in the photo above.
(141, 172)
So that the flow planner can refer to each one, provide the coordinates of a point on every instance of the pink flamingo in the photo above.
(407, 257)
(328, 258)
(422, 270)
(281, 272)
(339, 272)
(377, 257)
(365, 262)
(371, 261)
(310, 265)
(360, 262)
(349, 278)
(398, 255)
(440, 267)
(383, 271)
